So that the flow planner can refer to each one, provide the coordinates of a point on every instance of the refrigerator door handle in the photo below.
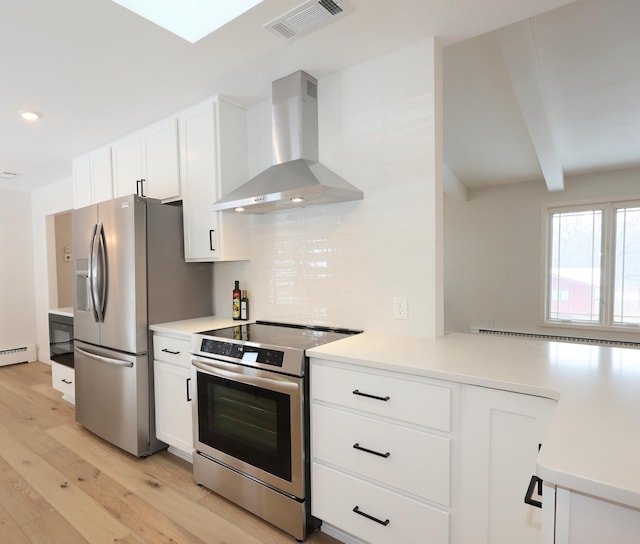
(103, 359)
(102, 276)
(92, 272)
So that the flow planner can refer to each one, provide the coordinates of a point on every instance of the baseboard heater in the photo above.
(24, 354)
(558, 338)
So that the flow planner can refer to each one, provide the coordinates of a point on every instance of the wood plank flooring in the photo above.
(61, 484)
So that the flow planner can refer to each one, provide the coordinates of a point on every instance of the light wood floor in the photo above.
(61, 484)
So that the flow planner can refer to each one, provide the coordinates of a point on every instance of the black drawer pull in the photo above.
(369, 516)
(64, 380)
(356, 392)
(528, 498)
(165, 350)
(359, 447)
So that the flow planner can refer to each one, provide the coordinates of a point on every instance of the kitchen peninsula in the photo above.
(591, 445)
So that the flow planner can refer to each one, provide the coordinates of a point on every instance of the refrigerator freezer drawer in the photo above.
(113, 400)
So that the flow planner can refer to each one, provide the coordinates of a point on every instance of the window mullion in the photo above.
(607, 265)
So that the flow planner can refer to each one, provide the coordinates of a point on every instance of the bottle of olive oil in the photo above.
(236, 301)
(244, 306)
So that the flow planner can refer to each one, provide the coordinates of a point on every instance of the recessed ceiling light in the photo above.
(192, 20)
(8, 175)
(30, 115)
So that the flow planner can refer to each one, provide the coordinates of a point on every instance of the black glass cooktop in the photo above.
(284, 335)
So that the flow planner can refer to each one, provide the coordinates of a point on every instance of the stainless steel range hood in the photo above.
(296, 178)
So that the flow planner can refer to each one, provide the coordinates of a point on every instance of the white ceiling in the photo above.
(557, 95)
(96, 72)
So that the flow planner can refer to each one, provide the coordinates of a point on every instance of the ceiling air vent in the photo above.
(307, 17)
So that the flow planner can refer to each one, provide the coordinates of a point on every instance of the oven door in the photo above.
(251, 420)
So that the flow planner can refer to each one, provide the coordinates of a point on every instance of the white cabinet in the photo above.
(63, 380)
(146, 162)
(213, 161)
(381, 453)
(172, 389)
(575, 518)
(500, 435)
(92, 180)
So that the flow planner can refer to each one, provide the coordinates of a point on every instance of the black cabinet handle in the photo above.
(165, 350)
(356, 392)
(528, 498)
(212, 238)
(188, 397)
(373, 452)
(369, 516)
(64, 380)
(140, 187)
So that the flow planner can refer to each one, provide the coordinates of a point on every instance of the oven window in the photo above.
(247, 422)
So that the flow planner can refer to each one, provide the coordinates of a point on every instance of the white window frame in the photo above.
(607, 264)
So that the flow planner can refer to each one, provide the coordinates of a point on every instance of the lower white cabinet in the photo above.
(63, 380)
(576, 518)
(500, 436)
(173, 394)
(381, 453)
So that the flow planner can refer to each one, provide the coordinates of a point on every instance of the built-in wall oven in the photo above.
(251, 418)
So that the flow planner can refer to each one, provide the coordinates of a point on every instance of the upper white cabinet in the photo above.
(92, 178)
(213, 161)
(500, 436)
(146, 162)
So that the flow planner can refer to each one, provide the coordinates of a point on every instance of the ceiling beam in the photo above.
(518, 49)
(452, 186)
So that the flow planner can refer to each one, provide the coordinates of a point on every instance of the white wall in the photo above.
(493, 251)
(341, 265)
(46, 202)
(17, 315)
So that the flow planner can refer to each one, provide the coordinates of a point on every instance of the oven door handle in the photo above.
(281, 385)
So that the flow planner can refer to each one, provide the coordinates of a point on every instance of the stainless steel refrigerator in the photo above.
(129, 273)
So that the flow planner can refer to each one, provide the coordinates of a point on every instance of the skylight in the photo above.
(192, 20)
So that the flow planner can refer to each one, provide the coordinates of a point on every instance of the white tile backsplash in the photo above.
(341, 264)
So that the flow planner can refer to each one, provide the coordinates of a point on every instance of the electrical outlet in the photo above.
(400, 308)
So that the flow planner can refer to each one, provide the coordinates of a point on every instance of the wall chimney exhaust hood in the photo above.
(296, 178)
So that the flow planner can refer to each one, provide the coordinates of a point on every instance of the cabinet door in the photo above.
(198, 160)
(101, 175)
(92, 180)
(160, 155)
(500, 435)
(82, 185)
(172, 387)
(582, 519)
(126, 155)
(213, 161)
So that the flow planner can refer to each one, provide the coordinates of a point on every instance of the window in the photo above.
(593, 265)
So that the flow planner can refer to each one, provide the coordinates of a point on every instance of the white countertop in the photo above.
(189, 326)
(68, 312)
(592, 444)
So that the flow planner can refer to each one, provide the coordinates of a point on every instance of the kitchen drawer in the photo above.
(417, 462)
(335, 495)
(63, 380)
(415, 402)
(171, 350)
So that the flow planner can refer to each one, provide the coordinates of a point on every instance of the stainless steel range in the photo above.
(251, 418)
